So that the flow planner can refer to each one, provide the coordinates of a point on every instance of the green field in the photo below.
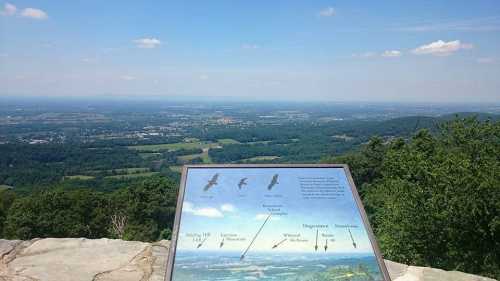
(174, 146)
(149, 155)
(177, 169)
(260, 158)
(181, 145)
(4, 186)
(204, 156)
(130, 170)
(128, 176)
(257, 142)
(228, 141)
(79, 177)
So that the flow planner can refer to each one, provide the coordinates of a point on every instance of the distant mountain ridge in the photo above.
(411, 124)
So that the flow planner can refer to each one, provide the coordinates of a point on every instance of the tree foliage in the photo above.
(147, 210)
(434, 200)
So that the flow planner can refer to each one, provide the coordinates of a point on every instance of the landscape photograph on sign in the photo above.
(271, 223)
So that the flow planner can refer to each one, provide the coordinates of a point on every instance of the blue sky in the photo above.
(402, 51)
(225, 209)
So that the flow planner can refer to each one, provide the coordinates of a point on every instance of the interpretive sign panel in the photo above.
(271, 222)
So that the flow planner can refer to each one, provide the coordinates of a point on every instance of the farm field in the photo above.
(173, 146)
(177, 169)
(260, 158)
(131, 170)
(154, 148)
(148, 155)
(79, 177)
(4, 186)
(204, 156)
(228, 141)
(136, 175)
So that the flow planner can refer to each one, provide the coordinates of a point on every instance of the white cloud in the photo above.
(327, 12)
(8, 10)
(441, 48)
(204, 77)
(485, 24)
(188, 207)
(250, 46)
(261, 217)
(34, 14)
(486, 60)
(208, 212)
(228, 208)
(391, 54)
(147, 43)
(128, 78)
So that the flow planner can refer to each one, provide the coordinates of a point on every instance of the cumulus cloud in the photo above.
(484, 24)
(441, 48)
(327, 12)
(34, 14)
(188, 207)
(147, 43)
(8, 10)
(208, 212)
(228, 208)
(391, 54)
(261, 217)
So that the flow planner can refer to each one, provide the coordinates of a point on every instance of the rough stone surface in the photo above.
(116, 260)
(401, 272)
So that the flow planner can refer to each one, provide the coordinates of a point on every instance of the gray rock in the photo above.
(6, 246)
(117, 260)
(401, 272)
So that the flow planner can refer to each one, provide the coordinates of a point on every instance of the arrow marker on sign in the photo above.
(255, 237)
(316, 247)
(202, 242)
(279, 243)
(352, 238)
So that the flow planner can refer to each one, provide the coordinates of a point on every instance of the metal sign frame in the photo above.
(357, 199)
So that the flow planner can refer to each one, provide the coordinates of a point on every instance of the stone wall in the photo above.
(73, 259)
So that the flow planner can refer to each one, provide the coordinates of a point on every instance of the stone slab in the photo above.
(80, 259)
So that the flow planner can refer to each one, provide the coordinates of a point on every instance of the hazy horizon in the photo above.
(222, 100)
(336, 51)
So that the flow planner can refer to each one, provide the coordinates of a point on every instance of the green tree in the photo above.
(58, 213)
(7, 197)
(436, 201)
(148, 209)
(365, 164)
